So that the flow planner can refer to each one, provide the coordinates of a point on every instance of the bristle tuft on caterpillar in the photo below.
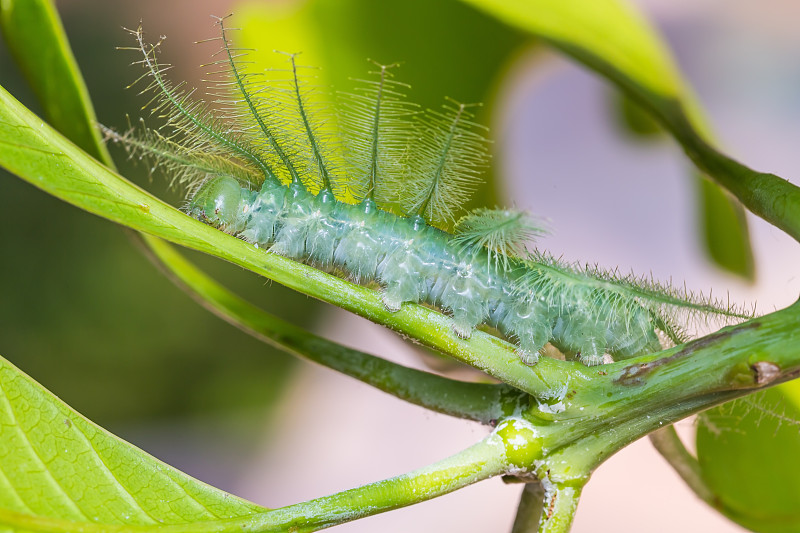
(500, 233)
(378, 127)
(449, 153)
(262, 166)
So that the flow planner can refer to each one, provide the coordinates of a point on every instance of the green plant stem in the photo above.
(669, 445)
(646, 393)
(529, 511)
(770, 197)
(474, 401)
(560, 504)
(481, 461)
(35, 152)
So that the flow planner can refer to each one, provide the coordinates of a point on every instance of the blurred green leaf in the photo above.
(611, 37)
(748, 457)
(635, 120)
(36, 38)
(61, 472)
(724, 246)
(445, 49)
(606, 34)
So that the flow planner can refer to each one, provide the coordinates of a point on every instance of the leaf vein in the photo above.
(35, 453)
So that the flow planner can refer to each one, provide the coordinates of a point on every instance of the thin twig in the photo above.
(669, 445)
(529, 511)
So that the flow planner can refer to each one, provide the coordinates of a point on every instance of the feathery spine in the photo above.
(502, 233)
(191, 120)
(249, 96)
(377, 120)
(446, 162)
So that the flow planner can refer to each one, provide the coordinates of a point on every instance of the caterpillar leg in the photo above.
(528, 357)
(403, 278)
(323, 230)
(531, 325)
(532, 338)
(300, 215)
(633, 338)
(359, 251)
(399, 290)
(321, 242)
(264, 214)
(260, 229)
(290, 241)
(391, 300)
(591, 354)
(462, 325)
(466, 299)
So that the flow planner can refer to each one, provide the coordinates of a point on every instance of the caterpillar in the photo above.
(376, 206)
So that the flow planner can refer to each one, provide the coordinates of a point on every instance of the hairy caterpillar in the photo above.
(261, 167)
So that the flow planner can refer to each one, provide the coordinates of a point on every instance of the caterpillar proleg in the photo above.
(375, 207)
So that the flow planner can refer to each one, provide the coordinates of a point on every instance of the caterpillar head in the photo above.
(216, 201)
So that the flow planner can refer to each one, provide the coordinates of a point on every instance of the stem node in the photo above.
(766, 372)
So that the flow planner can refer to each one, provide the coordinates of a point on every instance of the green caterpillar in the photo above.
(260, 168)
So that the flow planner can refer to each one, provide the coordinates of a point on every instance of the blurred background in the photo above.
(85, 313)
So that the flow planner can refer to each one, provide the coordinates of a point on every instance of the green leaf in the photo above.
(611, 37)
(747, 450)
(56, 464)
(724, 246)
(36, 38)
